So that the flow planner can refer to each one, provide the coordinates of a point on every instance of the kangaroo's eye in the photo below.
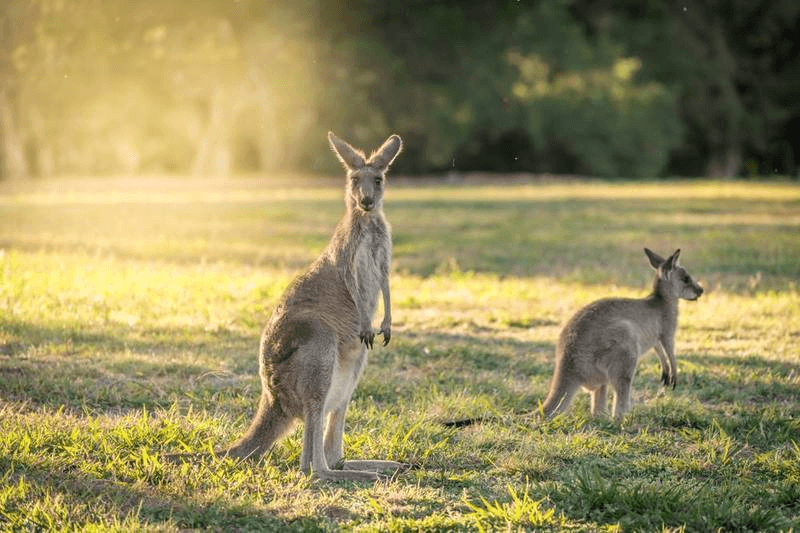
(378, 181)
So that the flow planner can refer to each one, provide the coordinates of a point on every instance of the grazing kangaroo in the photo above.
(602, 342)
(314, 348)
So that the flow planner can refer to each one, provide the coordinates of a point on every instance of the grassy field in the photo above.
(129, 320)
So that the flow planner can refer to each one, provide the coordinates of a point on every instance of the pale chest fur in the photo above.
(371, 259)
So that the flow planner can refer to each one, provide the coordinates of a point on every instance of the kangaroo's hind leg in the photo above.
(314, 453)
(316, 361)
(333, 448)
(321, 383)
(346, 375)
(335, 434)
(599, 399)
(621, 375)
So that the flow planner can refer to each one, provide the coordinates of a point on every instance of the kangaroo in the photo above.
(314, 347)
(602, 342)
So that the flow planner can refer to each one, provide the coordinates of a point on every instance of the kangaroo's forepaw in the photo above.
(387, 334)
(367, 337)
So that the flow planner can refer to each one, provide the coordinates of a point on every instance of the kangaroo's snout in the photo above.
(367, 203)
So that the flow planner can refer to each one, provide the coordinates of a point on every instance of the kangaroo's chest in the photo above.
(367, 266)
(644, 333)
(370, 261)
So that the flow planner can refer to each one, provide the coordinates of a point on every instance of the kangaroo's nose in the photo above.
(698, 291)
(367, 203)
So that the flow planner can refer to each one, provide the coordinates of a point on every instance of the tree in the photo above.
(17, 20)
(732, 64)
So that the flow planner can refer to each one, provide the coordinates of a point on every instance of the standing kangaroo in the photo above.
(602, 342)
(314, 348)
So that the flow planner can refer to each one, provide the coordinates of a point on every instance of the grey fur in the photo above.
(314, 347)
(602, 342)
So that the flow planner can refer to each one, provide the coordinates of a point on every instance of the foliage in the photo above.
(596, 116)
(730, 65)
(610, 88)
(519, 511)
(129, 321)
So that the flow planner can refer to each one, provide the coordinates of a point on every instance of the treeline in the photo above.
(591, 87)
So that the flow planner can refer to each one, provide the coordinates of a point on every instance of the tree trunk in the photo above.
(41, 156)
(213, 149)
(14, 165)
(725, 166)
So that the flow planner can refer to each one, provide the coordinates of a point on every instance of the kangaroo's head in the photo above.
(672, 280)
(365, 176)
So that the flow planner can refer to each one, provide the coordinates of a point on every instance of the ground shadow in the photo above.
(751, 380)
(152, 507)
(70, 367)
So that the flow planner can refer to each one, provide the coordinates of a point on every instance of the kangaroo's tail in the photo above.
(269, 424)
(562, 389)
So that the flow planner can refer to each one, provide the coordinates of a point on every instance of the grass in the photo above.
(129, 320)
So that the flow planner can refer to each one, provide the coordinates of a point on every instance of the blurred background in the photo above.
(609, 88)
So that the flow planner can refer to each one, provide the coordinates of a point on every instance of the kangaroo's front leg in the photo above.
(666, 353)
(386, 323)
(666, 373)
(365, 333)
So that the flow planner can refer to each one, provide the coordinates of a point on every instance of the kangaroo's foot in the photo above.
(360, 471)
(372, 466)
(346, 475)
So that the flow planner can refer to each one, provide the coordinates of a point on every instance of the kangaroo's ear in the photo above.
(655, 259)
(672, 261)
(351, 158)
(384, 155)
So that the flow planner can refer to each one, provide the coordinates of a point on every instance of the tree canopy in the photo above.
(607, 88)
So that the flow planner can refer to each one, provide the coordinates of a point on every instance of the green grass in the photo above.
(129, 320)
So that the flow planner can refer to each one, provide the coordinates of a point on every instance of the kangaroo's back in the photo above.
(597, 326)
(318, 294)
